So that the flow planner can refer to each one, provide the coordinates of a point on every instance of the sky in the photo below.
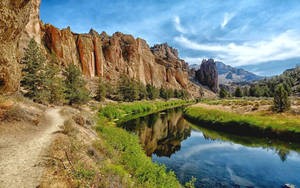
(262, 36)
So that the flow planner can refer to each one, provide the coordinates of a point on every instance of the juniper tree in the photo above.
(223, 93)
(76, 93)
(101, 90)
(281, 99)
(33, 71)
(238, 92)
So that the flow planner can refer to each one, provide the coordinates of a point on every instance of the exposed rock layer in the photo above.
(97, 55)
(14, 15)
(208, 74)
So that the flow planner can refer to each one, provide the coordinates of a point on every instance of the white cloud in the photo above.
(178, 26)
(284, 46)
(227, 18)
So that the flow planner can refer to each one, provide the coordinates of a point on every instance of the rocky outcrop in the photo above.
(208, 74)
(97, 55)
(110, 56)
(14, 16)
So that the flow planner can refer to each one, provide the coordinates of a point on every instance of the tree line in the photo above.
(43, 82)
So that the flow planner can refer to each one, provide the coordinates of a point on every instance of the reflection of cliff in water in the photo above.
(160, 133)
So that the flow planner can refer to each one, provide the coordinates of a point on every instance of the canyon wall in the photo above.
(97, 55)
(14, 16)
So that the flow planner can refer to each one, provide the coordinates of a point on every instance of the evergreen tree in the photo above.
(281, 99)
(101, 91)
(76, 93)
(238, 92)
(142, 91)
(163, 93)
(128, 89)
(33, 71)
(223, 93)
(152, 92)
(54, 86)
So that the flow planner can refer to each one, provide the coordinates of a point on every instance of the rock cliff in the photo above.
(14, 16)
(97, 55)
(208, 74)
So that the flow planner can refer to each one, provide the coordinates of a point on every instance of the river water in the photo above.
(216, 159)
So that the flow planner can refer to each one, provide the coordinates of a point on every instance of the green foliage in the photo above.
(128, 89)
(223, 93)
(152, 92)
(33, 72)
(181, 94)
(281, 99)
(54, 86)
(274, 123)
(166, 93)
(124, 148)
(142, 91)
(191, 183)
(76, 93)
(101, 91)
(40, 78)
(238, 92)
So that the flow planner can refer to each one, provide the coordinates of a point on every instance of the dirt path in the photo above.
(20, 157)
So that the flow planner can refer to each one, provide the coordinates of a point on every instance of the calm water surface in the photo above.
(216, 159)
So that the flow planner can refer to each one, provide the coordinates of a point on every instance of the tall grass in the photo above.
(124, 148)
(273, 125)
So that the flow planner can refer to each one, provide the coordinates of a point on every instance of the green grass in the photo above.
(123, 148)
(272, 125)
(240, 101)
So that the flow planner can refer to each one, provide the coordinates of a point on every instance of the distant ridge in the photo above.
(228, 74)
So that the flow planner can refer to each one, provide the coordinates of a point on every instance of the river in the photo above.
(216, 159)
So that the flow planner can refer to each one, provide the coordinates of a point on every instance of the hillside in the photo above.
(228, 74)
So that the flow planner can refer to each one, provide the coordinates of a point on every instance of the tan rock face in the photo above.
(96, 54)
(111, 56)
(14, 16)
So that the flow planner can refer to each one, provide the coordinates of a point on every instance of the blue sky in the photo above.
(262, 36)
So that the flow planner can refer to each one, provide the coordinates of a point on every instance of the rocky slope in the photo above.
(97, 55)
(228, 74)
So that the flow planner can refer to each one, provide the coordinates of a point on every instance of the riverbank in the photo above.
(258, 125)
(123, 148)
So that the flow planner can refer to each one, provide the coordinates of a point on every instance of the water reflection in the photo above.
(216, 159)
(160, 133)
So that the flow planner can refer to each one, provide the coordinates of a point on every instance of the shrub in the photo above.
(238, 92)
(223, 93)
(281, 99)
(101, 91)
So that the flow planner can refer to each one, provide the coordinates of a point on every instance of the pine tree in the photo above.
(142, 91)
(128, 89)
(75, 86)
(152, 92)
(238, 92)
(101, 91)
(281, 99)
(223, 93)
(33, 80)
(54, 86)
(163, 93)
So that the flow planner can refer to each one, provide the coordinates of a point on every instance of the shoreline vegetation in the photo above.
(271, 126)
(124, 149)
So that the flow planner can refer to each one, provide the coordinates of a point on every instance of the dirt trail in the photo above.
(21, 157)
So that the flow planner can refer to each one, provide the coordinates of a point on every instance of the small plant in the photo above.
(191, 183)
(68, 127)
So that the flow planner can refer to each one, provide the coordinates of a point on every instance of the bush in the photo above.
(238, 92)
(152, 92)
(101, 91)
(281, 99)
(223, 93)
